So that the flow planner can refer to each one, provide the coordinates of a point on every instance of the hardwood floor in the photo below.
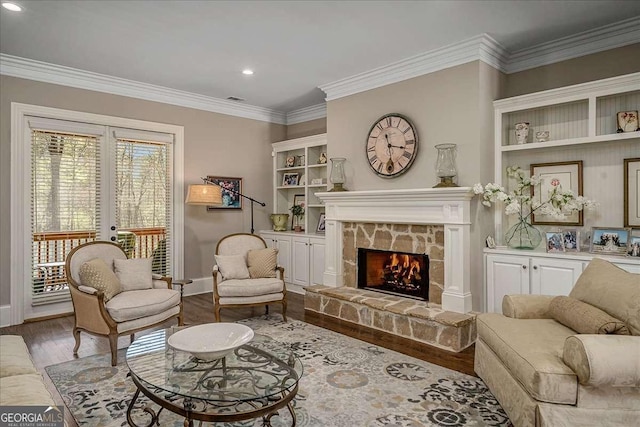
(51, 341)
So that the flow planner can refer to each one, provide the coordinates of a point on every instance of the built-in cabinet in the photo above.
(302, 256)
(537, 273)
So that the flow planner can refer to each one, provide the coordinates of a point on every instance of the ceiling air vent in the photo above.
(235, 98)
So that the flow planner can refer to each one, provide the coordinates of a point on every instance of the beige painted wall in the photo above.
(312, 127)
(215, 144)
(610, 63)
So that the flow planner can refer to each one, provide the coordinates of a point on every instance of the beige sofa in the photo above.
(549, 362)
(20, 381)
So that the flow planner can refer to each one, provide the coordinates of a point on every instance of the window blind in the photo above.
(65, 194)
(143, 195)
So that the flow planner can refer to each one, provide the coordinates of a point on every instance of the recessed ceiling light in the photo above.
(247, 72)
(11, 6)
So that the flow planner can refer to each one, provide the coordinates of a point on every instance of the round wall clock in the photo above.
(392, 145)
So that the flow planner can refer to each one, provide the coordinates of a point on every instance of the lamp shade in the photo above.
(202, 194)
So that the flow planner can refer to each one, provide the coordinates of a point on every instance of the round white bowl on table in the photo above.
(211, 341)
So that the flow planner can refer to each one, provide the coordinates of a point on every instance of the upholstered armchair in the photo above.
(246, 274)
(114, 296)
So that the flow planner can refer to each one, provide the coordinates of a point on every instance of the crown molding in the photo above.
(313, 112)
(481, 47)
(597, 40)
(66, 76)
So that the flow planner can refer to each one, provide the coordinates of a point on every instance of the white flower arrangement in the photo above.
(519, 201)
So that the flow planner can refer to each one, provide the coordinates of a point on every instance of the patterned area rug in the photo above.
(346, 382)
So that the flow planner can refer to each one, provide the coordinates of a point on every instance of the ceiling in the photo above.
(293, 46)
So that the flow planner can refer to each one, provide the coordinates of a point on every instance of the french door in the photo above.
(92, 182)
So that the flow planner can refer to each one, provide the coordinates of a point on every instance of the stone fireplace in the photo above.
(395, 273)
(435, 221)
(396, 238)
(432, 224)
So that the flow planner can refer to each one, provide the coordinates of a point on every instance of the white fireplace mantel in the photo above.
(450, 207)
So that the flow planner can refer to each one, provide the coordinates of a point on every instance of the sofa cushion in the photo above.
(232, 266)
(585, 318)
(262, 262)
(137, 304)
(14, 357)
(134, 274)
(28, 389)
(98, 275)
(612, 290)
(531, 349)
(250, 287)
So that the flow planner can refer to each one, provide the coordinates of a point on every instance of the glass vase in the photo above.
(337, 173)
(446, 165)
(523, 235)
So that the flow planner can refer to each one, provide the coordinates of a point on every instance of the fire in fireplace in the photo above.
(391, 272)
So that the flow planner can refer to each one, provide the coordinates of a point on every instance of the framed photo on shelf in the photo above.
(298, 200)
(634, 246)
(571, 240)
(632, 193)
(290, 179)
(231, 187)
(628, 121)
(567, 175)
(290, 161)
(610, 241)
(555, 241)
(320, 227)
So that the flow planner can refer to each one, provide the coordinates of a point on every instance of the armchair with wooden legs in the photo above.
(263, 286)
(126, 312)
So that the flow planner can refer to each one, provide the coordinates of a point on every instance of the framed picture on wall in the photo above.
(632, 193)
(230, 189)
(565, 175)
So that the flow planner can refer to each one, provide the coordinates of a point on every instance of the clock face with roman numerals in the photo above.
(392, 145)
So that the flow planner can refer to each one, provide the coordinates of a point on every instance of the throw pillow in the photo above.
(262, 262)
(134, 274)
(611, 289)
(98, 275)
(232, 266)
(584, 318)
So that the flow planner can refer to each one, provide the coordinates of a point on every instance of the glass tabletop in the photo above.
(262, 369)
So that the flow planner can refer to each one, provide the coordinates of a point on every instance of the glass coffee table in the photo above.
(255, 380)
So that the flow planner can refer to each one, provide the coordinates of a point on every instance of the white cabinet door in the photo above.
(300, 261)
(554, 277)
(505, 275)
(316, 259)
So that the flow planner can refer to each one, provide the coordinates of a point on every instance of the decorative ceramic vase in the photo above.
(337, 174)
(542, 136)
(523, 235)
(279, 221)
(522, 132)
(446, 165)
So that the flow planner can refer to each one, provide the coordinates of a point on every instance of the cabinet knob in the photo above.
(524, 267)
(535, 267)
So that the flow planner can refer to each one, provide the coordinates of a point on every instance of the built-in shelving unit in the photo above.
(581, 121)
(306, 152)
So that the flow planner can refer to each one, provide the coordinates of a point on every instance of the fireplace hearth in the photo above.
(392, 272)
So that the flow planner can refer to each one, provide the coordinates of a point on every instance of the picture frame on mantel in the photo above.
(632, 192)
(566, 174)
